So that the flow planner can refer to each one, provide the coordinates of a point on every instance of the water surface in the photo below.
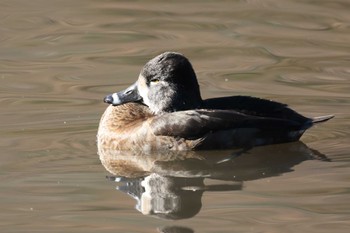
(58, 59)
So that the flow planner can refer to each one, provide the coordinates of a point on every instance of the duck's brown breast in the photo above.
(127, 127)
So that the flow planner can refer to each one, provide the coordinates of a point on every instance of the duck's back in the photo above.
(256, 107)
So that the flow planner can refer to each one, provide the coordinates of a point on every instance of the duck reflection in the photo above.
(170, 184)
(174, 229)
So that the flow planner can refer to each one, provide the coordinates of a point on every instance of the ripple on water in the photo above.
(29, 23)
(324, 82)
(51, 129)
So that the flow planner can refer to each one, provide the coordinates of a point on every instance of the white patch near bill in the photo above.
(116, 99)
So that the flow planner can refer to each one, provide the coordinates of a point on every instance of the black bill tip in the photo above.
(108, 99)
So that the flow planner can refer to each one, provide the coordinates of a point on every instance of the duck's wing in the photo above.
(194, 124)
(256, 107)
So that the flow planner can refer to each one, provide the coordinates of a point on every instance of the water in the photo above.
(58, 59)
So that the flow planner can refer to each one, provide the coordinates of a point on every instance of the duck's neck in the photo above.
(178, 104)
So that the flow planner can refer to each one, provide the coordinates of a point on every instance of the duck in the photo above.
(164, 110)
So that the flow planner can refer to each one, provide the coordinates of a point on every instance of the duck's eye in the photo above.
(154, 80)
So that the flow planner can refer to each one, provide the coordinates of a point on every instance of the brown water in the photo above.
(58, 59)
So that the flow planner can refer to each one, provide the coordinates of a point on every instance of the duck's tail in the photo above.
(315, 120)
(320, 119)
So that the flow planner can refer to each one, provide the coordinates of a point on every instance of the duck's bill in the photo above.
(130, 94)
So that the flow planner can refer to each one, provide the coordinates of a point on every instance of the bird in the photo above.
(164, 110)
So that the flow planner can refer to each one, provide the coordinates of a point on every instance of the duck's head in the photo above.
(167, 83)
